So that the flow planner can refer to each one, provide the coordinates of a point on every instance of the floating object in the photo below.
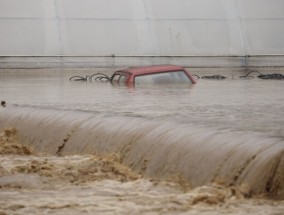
(3, 103)
(90, 78)
(218, 77)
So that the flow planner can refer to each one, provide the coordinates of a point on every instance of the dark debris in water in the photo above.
(218, 77)
(105, 78)
(90, 78)
(274, 76)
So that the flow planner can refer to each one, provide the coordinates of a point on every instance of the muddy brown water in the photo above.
(72, 147)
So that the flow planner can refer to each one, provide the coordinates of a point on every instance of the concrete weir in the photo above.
(155, 148)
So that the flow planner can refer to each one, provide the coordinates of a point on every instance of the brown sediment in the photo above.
(95, 167)
(85, 169)
(9, 143)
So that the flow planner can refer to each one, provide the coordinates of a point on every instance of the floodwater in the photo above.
(213, 148)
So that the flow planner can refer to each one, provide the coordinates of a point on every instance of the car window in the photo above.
(173, 77)
(122, 79)
(116, 77)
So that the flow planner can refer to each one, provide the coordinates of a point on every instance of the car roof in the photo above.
(151, 69)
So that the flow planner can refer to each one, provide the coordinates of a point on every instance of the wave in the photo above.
(157, 148)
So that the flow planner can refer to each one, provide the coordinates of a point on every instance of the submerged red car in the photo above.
(163, 74)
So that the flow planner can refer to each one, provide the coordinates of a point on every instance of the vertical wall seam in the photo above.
(240, 28)
(57, 20)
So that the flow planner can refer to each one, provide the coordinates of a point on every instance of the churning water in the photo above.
(227, 131)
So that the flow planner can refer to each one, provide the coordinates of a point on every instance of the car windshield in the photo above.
(172, 77)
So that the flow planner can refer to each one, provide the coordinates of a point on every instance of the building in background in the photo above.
(119, 33)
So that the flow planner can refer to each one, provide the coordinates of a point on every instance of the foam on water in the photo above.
(89, 184)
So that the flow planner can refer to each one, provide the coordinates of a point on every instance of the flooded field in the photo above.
(83, 148)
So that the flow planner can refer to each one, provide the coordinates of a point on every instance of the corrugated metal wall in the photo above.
(141, 27)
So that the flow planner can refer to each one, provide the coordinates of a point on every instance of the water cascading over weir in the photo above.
(156, 148)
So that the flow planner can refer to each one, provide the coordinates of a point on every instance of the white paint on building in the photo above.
(133, 28)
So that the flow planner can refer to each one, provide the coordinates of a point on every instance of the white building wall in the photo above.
(141, 27)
